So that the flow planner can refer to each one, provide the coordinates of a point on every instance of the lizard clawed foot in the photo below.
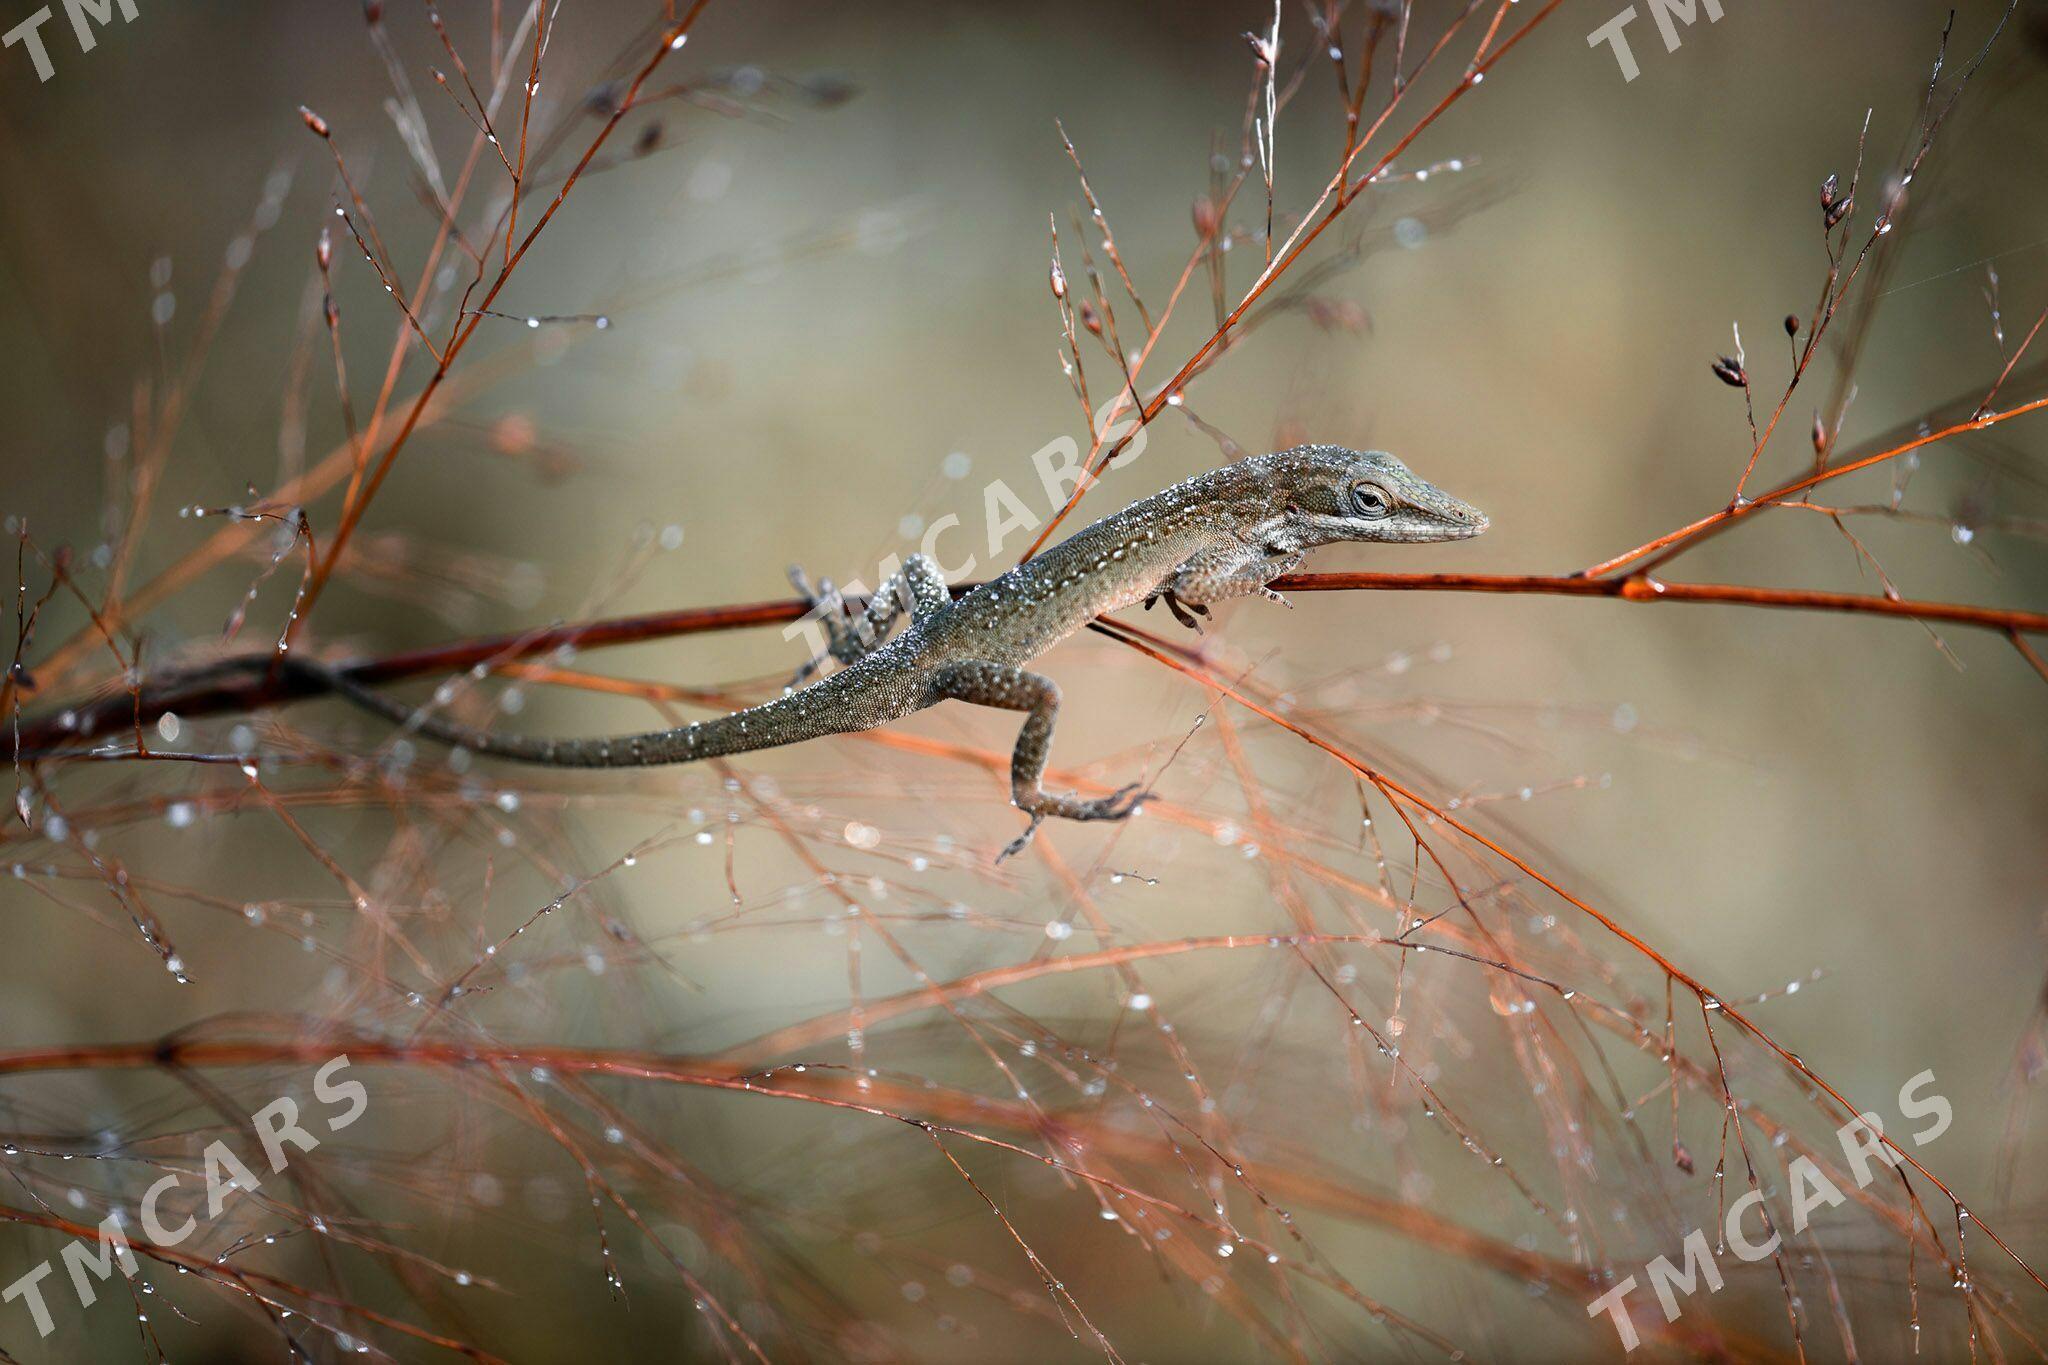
(824, 599)
(1022, 841)
(1120, 804)
(1271, 596)
(842, 630)
(1179, 608)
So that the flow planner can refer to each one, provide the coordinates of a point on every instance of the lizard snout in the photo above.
(1456, 519)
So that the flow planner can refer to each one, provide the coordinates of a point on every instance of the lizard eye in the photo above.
(1371, 502)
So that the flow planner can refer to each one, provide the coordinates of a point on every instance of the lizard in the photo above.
(1223, 534)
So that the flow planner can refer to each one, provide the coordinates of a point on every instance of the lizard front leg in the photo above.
(1217, 575)
(1014, 689)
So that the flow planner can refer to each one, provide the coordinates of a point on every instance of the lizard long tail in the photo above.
(848, 701)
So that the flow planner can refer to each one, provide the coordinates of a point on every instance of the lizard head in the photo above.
(1336, 494)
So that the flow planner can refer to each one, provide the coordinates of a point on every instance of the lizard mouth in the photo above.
(1460, 521)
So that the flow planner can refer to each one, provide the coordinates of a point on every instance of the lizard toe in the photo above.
(1022, 841)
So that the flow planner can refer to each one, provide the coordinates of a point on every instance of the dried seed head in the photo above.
(1089, 318)
(1792, 324)
(1827, 193)
(1730, 372)
(1059, 280)
(1820, 436)
(324, 251)
(1205, 215)
(1842, 209)
(314, 121)
(373, 11)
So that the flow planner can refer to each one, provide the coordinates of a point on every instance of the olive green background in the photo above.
(1800, 792)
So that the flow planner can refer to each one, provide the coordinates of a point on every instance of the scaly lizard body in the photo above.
(1227, 533)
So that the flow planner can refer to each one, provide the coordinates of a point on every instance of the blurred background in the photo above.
(822, 262)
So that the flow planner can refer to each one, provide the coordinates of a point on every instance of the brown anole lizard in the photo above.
(1227, 533)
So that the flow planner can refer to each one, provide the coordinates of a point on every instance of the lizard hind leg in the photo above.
(917, 586)
(1015, 689)
(825, 603)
